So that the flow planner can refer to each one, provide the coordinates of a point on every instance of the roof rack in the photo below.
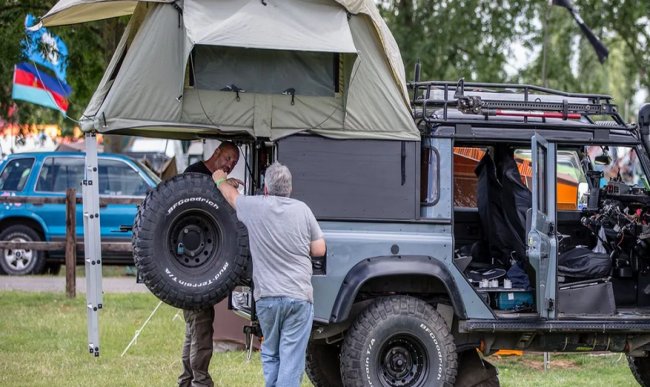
(504, 99)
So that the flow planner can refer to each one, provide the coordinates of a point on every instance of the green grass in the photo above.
(43, 342)
(573, 370)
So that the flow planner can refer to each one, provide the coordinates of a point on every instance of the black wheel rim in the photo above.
(403, 362)
(193, 239)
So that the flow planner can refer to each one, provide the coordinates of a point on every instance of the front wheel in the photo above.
(640, 367)
(21, 261)
(399, 341)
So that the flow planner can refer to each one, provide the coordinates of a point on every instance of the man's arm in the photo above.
(317, 248)
(228, 191)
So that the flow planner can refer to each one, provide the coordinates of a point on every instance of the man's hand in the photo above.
(219, 174)
(234, 182)
(229, 191)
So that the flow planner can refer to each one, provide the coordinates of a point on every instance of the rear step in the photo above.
(600, 326)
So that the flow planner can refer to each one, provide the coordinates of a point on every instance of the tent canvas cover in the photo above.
(268, 69)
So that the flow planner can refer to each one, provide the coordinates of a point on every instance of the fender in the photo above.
(389, 266)
(17, 215)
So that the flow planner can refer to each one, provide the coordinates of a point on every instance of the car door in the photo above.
(118, 178)
(57, 174)
(541, 220)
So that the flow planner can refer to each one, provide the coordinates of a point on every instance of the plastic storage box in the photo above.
(514, 300)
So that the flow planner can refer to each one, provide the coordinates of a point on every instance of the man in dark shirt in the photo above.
(197, 348)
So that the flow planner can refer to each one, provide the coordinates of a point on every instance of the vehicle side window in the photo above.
(15, 174)
(60, 173)
(618, 164)
(430, 176)
(118, 178)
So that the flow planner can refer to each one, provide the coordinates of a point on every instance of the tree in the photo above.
(90, 48)
(457, 38)
(571, 63)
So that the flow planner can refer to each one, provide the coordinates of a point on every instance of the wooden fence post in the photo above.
(70, 242)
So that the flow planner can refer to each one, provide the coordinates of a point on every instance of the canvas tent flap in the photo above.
(107, 79)
(282, 25)
(80, 11)
(149, 84)
(391, 49)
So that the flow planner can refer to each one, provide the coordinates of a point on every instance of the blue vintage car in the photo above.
(49, 174)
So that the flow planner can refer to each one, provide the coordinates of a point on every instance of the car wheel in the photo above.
(640, 367)
(21, 261)
(188, 245)
(399, 341)
(322, 364)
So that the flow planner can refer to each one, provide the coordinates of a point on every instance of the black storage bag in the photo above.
(581, 263)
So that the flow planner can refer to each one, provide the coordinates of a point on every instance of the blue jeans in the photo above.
(286, 326)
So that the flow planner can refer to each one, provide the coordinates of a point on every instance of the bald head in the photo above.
(225, 157)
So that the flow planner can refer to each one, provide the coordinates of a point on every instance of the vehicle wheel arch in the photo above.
(368, 274)
(35, 224)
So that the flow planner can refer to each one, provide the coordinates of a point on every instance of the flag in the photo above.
(601, 51)
(45, 48)
(32, 85)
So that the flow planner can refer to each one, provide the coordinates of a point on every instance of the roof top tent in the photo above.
(267, 69)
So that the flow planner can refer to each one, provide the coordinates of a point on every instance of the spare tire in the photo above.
(188, 245)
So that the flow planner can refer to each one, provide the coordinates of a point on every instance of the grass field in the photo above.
(43, 343)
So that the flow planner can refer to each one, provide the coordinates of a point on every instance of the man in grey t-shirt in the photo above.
(283, 235)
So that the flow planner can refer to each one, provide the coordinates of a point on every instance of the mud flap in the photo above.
(474, 371)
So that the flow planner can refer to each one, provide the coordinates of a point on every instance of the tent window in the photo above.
(265, 71)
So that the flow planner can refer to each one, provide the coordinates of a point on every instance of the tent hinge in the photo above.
(292, 92)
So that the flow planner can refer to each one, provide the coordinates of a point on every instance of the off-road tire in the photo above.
(640, 367)
(188, 245)
(399, 341)
(21, 261)
(322, 364)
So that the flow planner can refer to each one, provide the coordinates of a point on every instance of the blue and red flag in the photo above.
(44, 48)
(38, 87)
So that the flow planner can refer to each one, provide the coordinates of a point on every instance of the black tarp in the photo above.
(503, 200)
(582, 263)
(515, 196)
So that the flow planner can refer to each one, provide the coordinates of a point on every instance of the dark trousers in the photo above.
(197, 348)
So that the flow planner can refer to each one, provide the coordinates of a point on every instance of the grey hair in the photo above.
(277, 179)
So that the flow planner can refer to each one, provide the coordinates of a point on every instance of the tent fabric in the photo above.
(151, 83)
(67, 12)
(148, 86)
(107, 79)
(391, 49)
(296, 25)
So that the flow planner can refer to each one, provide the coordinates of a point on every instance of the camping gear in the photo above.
(582, 263)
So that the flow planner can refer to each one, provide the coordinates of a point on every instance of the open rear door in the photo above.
(542, 244)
